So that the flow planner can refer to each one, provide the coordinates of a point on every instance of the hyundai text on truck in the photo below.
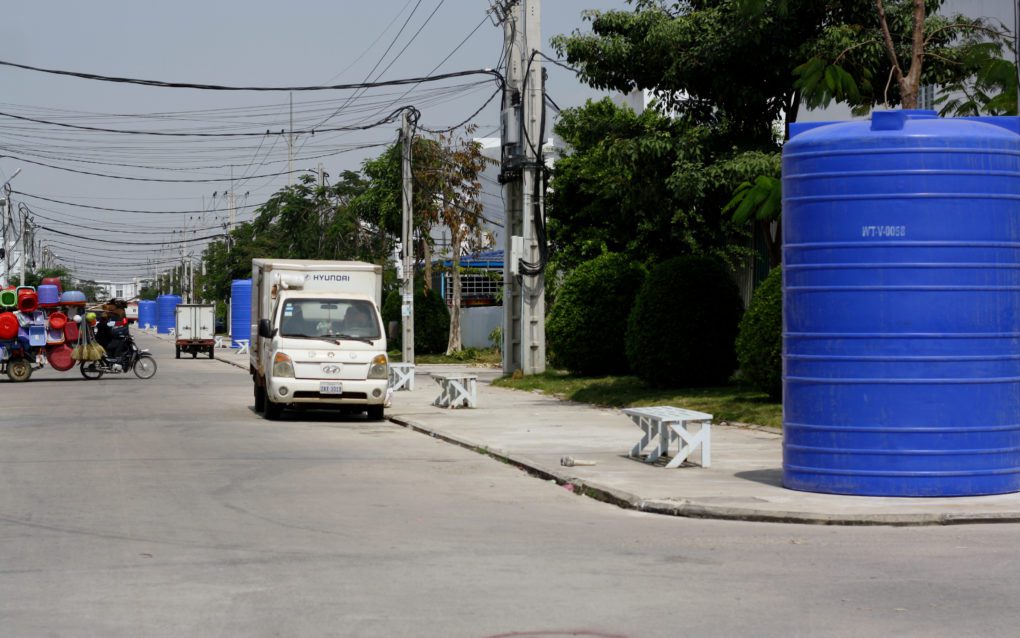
(317, 337)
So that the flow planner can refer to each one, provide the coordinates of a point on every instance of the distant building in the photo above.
(119, 289)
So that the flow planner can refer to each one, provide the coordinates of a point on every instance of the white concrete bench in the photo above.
(457, 390)
(401, 376)
(662, 425)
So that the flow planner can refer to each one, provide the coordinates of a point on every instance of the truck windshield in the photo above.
(331, 318)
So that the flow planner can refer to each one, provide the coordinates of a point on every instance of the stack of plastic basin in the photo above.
(72, 297)
(53, 281)
(8, 326)
(49, 295)
(28, 299)
(59, 357)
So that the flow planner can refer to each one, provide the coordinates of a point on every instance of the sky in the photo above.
(226, 42)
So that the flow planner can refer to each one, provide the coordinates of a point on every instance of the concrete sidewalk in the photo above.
(533, 432)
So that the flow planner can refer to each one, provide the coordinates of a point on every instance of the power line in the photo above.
(469, 118)
(376, 66)
(386, 120)
(147, 179)
(175, 242)
(223, 87)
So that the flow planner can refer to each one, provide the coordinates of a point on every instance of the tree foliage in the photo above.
(588, 321)
(640, 185)
(759, 343)
(308, 220)
(883, 52)
(683, 324)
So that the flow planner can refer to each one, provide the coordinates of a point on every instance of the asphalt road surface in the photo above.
(168, 508)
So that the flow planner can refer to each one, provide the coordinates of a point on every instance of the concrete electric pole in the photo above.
(524, 188)
(26, 241)
(406, 239)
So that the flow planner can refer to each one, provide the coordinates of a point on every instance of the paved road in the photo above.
(167, 508)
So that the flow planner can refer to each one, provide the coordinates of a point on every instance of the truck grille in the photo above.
(304, 394)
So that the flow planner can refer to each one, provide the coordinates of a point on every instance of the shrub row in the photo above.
(674, 327)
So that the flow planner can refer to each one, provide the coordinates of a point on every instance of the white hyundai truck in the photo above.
(317, 337)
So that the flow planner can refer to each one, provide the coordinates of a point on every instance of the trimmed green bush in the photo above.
(431, 320)
(760, 340)
(684, 323)
(587, 322)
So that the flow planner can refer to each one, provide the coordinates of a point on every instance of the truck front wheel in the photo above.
(273, 410)
(260, 399)
(375, 412)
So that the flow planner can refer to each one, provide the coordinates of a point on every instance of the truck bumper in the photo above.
(306, 391)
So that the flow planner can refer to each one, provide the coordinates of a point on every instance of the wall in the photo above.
(477, 323)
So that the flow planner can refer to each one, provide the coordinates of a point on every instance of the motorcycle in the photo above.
(132, 359)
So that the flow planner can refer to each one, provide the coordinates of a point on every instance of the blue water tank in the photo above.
(166, 312)
(240, 311)
(146, 313)
(901, 312)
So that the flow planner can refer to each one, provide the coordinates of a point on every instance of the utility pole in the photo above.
(25, 243)
(290, 145)
(406, 239)
(523, 179)
(7, 222)
(5, 206)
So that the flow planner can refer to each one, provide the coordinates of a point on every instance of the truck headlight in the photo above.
(379, 368)
(283, 365)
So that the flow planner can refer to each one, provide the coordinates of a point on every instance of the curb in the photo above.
(629, 501)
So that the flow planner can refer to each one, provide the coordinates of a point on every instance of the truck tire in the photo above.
(374, 412)
(260, 399)
(273, 410)
(211, 352)
(178, 351)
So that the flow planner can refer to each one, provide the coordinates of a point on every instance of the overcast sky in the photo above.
(255, 42)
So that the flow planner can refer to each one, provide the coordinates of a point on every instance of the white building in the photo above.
(119, 289)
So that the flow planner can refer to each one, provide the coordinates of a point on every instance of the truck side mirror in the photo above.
(265, 329)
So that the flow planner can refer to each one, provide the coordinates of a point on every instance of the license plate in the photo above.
(331, 388)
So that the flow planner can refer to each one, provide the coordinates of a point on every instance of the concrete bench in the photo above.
(662, 425)
(401, 376)
(457, 390)
(242, 346)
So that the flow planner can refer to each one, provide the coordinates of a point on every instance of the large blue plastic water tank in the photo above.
(166, 312)
(901, 306)
(240, 311)
(146, 313)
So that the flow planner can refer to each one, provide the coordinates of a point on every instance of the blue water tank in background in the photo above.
(166, 312)
(240, 311)
(901, 306)
(146, 313)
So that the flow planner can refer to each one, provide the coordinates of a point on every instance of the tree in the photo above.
(458, 189)
(446, 191)
(695, 57)
(309, 220)
(884, 52)
(34, 277)
(640, 185)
